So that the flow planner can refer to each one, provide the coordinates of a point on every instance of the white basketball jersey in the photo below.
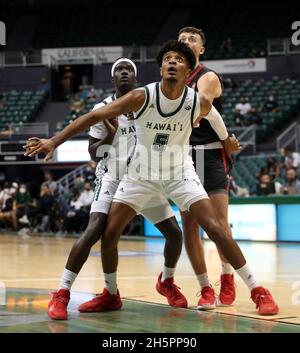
(163, 129)
(117, 155)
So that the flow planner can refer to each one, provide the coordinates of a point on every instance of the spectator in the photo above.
(7, 210)
(271, 105)
(89, 171)
(50, 182)
(235, 190)
(229, 82)
(24, 204)
(273, 168)
(292, 186)
(44, 85)
(289, 158)
(226, 46)
(265, 186)
(44, 208)
(241, 109)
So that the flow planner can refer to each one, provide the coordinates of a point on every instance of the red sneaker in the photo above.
(264, 301)
(102, 302)
(57, 307)
(227, 291)
(207, 300)
(169, 289)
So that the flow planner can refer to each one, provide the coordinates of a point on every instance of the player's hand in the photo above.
(234, 144)
(111, 125)
(35, 145)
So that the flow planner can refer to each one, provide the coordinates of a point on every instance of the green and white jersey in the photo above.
(116, 156)
(163, 130)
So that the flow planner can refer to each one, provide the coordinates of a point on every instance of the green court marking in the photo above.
(26, 312)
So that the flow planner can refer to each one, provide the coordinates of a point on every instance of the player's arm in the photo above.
(95, 143)
(210, 86)
(132, 101)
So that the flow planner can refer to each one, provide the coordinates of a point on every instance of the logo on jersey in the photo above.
(188, 107)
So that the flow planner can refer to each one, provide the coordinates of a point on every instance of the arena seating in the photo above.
(21, 107)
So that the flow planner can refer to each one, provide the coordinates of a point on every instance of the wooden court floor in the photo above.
(30, 268)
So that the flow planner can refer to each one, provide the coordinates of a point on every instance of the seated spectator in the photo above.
(235, 190)
(271, 105)
(89, 171)
(292, 185)
(7, 210)
(289, 158)
(229, 82)
(265, 186)
(78, 214)
(24, 204)
(273, 168)
(50, 182)
(44, 208)
(241, 109)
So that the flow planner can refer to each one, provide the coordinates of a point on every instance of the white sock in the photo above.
(67, 279)
(110, 280)
(203, 280)
(167, 273)
(246, 275)
(226, 268)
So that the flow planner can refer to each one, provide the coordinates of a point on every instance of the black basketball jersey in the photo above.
(204, 134)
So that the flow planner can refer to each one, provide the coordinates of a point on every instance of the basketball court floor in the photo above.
(30, 268)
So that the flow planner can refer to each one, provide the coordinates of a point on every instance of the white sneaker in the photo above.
(24, 220)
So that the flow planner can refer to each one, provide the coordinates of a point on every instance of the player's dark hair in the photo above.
(194, 30)
(178, 47)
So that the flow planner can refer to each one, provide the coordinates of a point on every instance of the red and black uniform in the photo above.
(216, 166)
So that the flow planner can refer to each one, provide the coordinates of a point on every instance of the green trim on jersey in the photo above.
(193, 109)
(97, 189)
(176, 110)
(146, 103)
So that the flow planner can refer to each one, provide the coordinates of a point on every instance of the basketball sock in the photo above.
(110, 280)
(67, 279)
(246, 275)
(226, 268)
(203, 280)
(167, 273)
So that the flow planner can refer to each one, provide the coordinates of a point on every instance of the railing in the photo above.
(290, 136)
(245, 135)
(282, 46)
(67, 181)
(30, 129)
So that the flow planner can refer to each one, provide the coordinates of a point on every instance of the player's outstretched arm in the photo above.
(131, 101)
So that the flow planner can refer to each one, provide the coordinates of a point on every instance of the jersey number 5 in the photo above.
(160, 142)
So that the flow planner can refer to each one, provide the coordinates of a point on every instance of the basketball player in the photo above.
(119, 135)
(216, 168)
(164, 115)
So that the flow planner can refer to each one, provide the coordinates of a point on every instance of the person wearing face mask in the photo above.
(23, 203)
(271, 105)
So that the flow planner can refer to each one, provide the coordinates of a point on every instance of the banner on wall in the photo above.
(73, 151)
(98, 54)
(248, 222)
(237, 66)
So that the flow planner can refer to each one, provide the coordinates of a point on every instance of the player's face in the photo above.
(194, 41)
(124, 75)
(175, 67)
